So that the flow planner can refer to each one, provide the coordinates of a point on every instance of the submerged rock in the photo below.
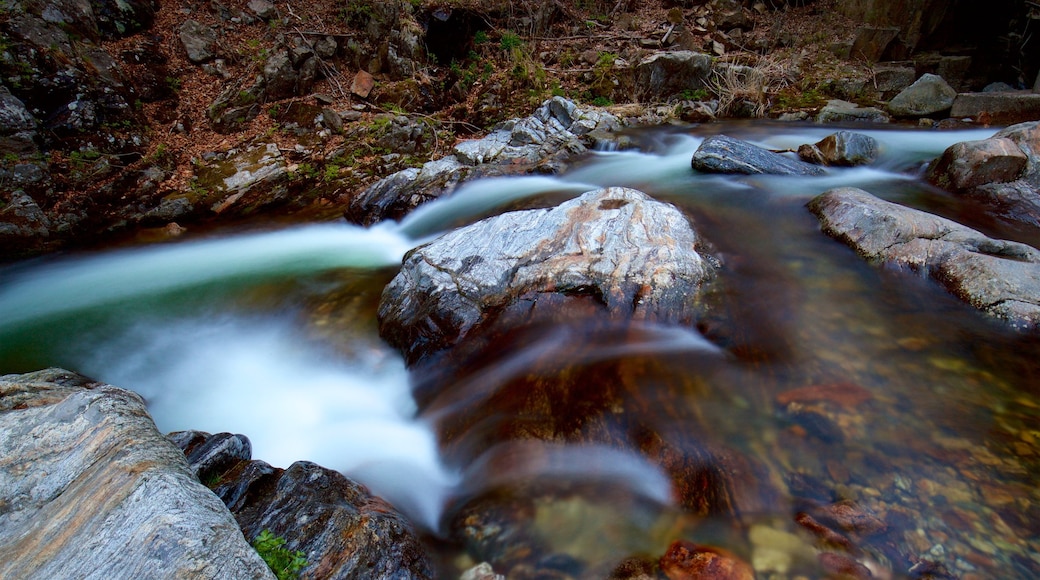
(998, 277)
(722, 154)
(844, 148)
(90, 489)
(627, 253)
(343, 530)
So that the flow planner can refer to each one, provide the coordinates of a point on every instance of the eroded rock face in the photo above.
(631, 255)
(90, 489)
(998, 277)
(722, 154)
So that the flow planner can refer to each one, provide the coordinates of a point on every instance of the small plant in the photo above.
(285, 564)
(480, 37)
(602, 102)
(694, 94)
(510, 41)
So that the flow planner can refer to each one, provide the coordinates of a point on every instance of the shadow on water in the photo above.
(813, 379)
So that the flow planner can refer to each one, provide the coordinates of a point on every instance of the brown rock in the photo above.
(1001, 108)
(852, 517)
(842, 566)
(824, 534)
(363, 84)
(970, 164)
(871, 42)
(688, 561)
(843, 394)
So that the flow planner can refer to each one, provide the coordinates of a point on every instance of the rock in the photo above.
(362, 84)
(997, 108)
(929, 95)
(969, 164)
(90, 489)
(344, 531)
(666, 74)
(844, 566)
(837, 111)
(722, 154)
(262, 8)
(998, 277)
(216, 454)
(482, 571)
(844, 148)
(556, 131)
(688, 561)
(242, 183)
(891, 78)
(630, 255)
(872, 41)
(199, 41)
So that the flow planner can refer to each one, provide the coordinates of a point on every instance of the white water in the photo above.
(259, 377)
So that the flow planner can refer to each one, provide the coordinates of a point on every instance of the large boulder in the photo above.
(722, 154)
(929, 95)
(998, 277)
(969, 164)
(1003, 172)
(998, 108)
(90, 489)
(615, 248)
(844, 149)
(342, 529)
(666, 74)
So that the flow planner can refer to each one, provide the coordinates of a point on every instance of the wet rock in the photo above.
(216, 454)
(969, 164)
(666, 74)
(847, 395)
(853, 518)
(482, 571)
(824, 535)
(997, 108)
(631, 255)
(199, 41)
(722, 154)
(688, 561)
(929, 95)
(344, 531)
(844, 566)
(92, 489)
(998, 277)
(837, 111)
(542, 143)
(844, 148)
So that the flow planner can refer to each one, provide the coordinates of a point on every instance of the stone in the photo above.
(969, 164)
(844, 149)
(362, 84)
(838, 111)
(929, 95)
(998, 108)
(891, 78)
(872, 41)
(344, 531)
(542, 142)
(722, 154)
(666, 74)
(199, 41)
(91, 489)
(687, 561)
(243, 182)
(998, 277)
(262, 8)
(634, 257)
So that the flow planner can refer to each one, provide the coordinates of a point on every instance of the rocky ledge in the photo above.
(615, 249)
(998, 277)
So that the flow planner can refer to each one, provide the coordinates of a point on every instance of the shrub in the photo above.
(285, 564)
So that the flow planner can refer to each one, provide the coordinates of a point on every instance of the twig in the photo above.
(664, 40)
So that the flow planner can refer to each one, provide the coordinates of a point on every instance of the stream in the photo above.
(272, 333)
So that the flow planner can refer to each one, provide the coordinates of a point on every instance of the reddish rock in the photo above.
(852, 517)
(825, 535)
(848, 395)
(970, 164)
(842, 566)
(1001, 108)
(362, 84)
(688, 561)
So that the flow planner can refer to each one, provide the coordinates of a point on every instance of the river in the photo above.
(271, 332)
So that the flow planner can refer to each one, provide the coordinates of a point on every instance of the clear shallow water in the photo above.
(237, 334)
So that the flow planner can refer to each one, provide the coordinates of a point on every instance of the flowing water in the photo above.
(928, 417)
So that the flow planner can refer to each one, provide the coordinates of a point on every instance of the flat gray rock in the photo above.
(998, 277)
(90, 489)
(630, 255)
(722, 154)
